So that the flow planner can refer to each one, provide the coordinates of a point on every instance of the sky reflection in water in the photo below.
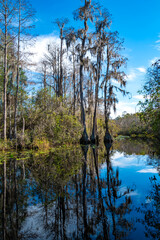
(80, 194)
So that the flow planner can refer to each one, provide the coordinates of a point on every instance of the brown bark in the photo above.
(5, 75)
(107, 137)
(10, 117)
(61, 23)
(23, 129)
(45, 76)
(18, 74)
(94, 136)
(74, 85)
(61, 68)
(84, 138)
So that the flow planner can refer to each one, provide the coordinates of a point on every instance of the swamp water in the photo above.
(81, 193)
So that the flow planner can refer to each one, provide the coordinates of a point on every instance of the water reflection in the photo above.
(138, 147)
(151, 211)
(76, 193)
(118, 203)
(14, 205)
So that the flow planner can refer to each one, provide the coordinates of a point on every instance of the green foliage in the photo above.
(131, 125)
(135, 146)
(100, 127)
(150, 107)
(48, 120)
(114, 128)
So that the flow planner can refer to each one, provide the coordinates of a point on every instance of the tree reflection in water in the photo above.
(114, 205)
(63, 195)
(151, 211)
(14, 205)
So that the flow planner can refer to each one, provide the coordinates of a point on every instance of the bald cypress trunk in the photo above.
(61, 24)
(94, 136)
(74, 85)
(10, 117)
(61, 68)
(107, 137)
(84, 138)
(5, 74)
(18, 75)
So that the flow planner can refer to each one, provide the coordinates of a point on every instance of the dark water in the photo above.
(81, 193)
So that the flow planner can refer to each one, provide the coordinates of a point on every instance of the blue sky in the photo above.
(137, 21)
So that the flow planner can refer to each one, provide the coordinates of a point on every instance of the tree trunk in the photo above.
(107, 137)
(23, 131)
(84, 138)
(58, 88)
(61, 68)
(18, 77)
(5, 79)
(10, 118)
(45, 77)
(94, 136)
(74, 85)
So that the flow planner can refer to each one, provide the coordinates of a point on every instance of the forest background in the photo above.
(71, 92)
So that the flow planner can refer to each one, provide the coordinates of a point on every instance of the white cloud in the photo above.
(134, 193)
(148, 170)
(134, 73)
(158, 41)
(141, 69)
(115, 82)
(133, 103)
(119, 159)
(129, 107)
(39, 48)
(139, 97)
(131, 76)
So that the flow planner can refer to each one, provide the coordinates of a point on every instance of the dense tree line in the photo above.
(80, 75)
(144, 124)
(150, 107)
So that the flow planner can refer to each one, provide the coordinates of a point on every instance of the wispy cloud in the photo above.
(139, 97)
(134, 73)
(148, 170)
(131, 76)
(141, 69)
(157, 43)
